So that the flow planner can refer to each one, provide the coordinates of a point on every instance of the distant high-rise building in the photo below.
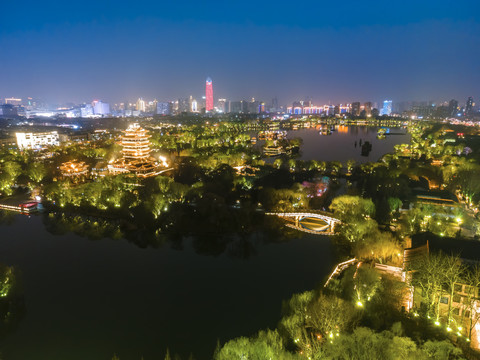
(194, 106)
(237, 107)
(8, 110)
(209, 95)
(453, 107)
(261, 108)
(368, 108)
(184, 105)
(222, 106)
(254, 106)
(274, 104)
(164, 108)
(469, 106)
(387, 107)
(101, 108)
(86, 110)
(356, 108)
(13, 101)
(141, 105)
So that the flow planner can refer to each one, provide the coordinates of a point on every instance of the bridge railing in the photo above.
(305, 214)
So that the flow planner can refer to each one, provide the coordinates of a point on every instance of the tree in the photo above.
(472, 287)
(394, 204)
(441, 350)
(351, 208)
(453, 273)
(433, 275)
(167, 355)
(366, 283)
(350, 166)
(330, 315)
(266, 345)
(36, 171)
(380, 246)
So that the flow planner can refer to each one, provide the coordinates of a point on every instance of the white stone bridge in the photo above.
(302, 220)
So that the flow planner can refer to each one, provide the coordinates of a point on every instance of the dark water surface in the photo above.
(340, 145)
(89, 299)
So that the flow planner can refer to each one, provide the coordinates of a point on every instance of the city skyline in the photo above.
(370, 52)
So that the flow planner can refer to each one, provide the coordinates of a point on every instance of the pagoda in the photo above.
(136, 159)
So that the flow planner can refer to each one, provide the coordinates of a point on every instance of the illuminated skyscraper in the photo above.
(209, 95)
(387, 107)
(469, 106)
(453, 108)
(141, 105)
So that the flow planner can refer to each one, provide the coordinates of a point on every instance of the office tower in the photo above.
(274, 104)
(101, 108)
(209, 95)
(184, 105)
(8, 110)
(236, 107)
(368, 108)
(222, 105)
(86, 110)
(469, 106)
(356, 108)
(261, 108)
(253, 106)
(141, 105)
(453, 108)
(387, 107)
(164, 108)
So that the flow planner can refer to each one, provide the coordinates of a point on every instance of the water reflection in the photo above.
(345, 143)
(235, 233)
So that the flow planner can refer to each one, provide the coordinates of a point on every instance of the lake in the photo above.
(340, 145)
(89, 299)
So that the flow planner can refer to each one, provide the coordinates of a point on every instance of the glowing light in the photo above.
(437, 323)
(449, 329)
(359, 303)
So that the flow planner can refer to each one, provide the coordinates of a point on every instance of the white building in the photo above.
(387, 108)
(86, 111)
(37, 141)
(101, 108)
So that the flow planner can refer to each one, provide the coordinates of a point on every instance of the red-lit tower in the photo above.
(209, 95)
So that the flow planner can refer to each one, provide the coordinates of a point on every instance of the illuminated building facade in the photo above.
(368, 108)
(387, 107)
(141, 105)
(164, 108)
(469, 106)
(136, 154)
(37, 141)
(356, 108)
(8, 110)
(13, 101)
(209, 95)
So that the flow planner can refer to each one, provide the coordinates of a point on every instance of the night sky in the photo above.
(338, 51)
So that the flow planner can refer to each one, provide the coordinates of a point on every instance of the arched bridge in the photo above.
(311, 223)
